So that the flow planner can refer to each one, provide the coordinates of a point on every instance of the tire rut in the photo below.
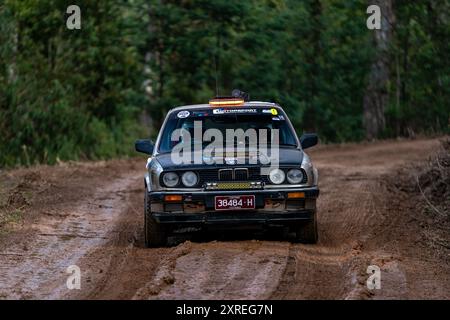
(360, 222)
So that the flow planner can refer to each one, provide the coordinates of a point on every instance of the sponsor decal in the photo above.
(200, 113)
(272, 111)
(183, 114)
(218, 111)
(226, 111)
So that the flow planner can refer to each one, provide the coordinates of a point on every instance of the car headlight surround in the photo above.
(189, 179)
(170, 179)
(295, 176)
(277, 176)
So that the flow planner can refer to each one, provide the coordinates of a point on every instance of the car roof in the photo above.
(250, 104)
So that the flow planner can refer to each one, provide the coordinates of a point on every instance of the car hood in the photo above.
(287, 157)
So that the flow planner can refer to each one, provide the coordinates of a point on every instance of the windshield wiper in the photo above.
(288, 145)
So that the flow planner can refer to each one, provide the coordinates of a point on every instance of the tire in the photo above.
(307, 232)
(155, 235)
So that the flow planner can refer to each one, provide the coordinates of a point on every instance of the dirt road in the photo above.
(90, 215)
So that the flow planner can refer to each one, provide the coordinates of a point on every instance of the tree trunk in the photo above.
(376, 96)
(312, 122)
(12, 71)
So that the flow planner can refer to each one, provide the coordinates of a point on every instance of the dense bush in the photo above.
(82, 94)
(69, 94)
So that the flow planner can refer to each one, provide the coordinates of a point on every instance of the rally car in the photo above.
(194, 181)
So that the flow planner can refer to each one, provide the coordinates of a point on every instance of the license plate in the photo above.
(235, 202)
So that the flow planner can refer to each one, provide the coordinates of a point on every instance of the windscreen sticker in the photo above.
(272, 111)
(183, 114)
(200, 113)
(226, 111)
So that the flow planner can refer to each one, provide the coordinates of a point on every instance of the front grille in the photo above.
(226, 175)
(240, 174)
(254, 174)
(208, 175)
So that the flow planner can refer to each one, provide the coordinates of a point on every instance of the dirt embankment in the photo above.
(371, 212)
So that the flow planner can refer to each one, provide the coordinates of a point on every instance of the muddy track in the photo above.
(93, 219)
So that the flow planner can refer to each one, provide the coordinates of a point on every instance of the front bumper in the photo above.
(271, 207)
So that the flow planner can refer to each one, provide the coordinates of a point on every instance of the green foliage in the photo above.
(313, 57)
(82, 94)
(69, 94)
(420, 88)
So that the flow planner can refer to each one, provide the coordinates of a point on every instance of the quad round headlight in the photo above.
(189, 179)
(295, 176)
(277, 176)
(170, 179)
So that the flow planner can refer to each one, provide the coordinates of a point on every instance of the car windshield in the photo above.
(223, 122)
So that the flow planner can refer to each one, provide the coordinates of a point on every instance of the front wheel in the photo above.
(155, 235)
(307, 232)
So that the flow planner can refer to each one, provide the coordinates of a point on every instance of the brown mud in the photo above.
(91, 215)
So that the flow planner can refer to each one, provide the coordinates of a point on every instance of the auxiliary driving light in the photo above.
(233, 185)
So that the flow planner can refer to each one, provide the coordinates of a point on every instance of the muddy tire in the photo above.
(155, 235)
(307, 232)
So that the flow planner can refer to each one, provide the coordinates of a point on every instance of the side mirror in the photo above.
(309, 140)
(144, 146)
